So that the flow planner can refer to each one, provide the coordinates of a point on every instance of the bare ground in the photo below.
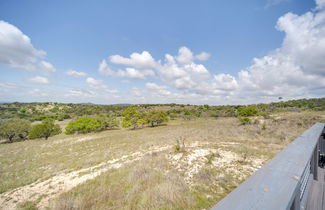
(46, 190)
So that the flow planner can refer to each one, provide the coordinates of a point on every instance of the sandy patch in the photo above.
(63, 182)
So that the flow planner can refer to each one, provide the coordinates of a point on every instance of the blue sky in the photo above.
(215, 52)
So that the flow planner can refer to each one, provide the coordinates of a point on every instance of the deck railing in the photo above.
(284, 181)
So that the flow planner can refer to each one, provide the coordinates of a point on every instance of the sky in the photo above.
(186, 51)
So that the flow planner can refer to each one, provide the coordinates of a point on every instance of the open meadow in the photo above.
(181, 164)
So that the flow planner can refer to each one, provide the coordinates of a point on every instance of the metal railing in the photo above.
(283, 182)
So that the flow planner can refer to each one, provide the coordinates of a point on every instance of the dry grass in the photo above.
(219, 154)
(149, 184)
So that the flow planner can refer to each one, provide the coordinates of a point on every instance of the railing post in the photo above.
(296, 202)
(315, 163)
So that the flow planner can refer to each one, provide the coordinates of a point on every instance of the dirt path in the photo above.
(46, 190)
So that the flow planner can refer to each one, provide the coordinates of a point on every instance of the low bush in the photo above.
(83, 125)
(155, 118)
(133, 118)
(15, 129)
(247, 111)
(245, 120)
(44, 130)
(108, 122)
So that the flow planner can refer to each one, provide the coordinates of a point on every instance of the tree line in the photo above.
(16, 129)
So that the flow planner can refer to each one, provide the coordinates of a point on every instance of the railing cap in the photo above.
(273, 186)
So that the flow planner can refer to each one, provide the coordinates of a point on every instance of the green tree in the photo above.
(83, 125)
(133, 118)
(13, 129)
(155, 118)
(108, 122)
(44, 130)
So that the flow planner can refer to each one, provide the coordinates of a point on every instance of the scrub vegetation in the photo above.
(167, 156)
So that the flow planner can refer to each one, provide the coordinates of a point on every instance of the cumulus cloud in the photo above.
(17, 51)
(225, 82)
(81, 93)
(128, 72)
(95, 83)
(138, 60)
(203, 56)
(134, 73)
(76, 74)
(320, 4)
(99, 85)
(159, 88)
(297, 68)
(38, 80)
(179, 71)
(185, 55)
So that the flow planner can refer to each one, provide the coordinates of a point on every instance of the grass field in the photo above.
(144, 168)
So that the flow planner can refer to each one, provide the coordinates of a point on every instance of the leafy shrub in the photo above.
(180, 145)
(247, 111)
(13, 129)
(133, 118)
(155, 118)
(108, 122)
(245, 120)
(83, 125)
(44, 130)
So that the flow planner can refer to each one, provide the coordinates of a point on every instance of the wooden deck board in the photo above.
(316, 196)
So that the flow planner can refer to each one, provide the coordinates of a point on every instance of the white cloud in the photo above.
(179, 71)
(76, 74)
(37, 92)
(17, 51)
(320, 4)
(185, 55)
(154, 86)
(80, 93)
(38, 80)
(134, 73)
(271, 3)
(7, 85)
(46, 67)
(128, 72)
(297, 68)
(99, 85)
(136, 92)
(95, 83)
(138, 60)
(225, 82)
(203, 56)
(15, 47)
(160, 89)
(125, 81)
(184, 74)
